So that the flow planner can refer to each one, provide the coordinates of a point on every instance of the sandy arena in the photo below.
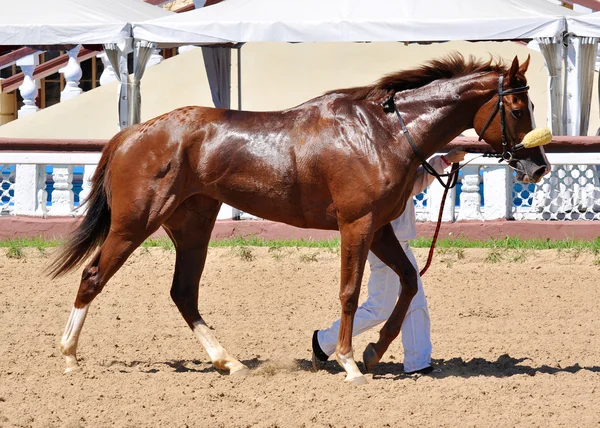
(517, 342)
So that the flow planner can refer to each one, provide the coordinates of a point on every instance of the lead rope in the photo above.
(451, 183)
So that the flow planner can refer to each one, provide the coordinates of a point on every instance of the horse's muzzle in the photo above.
(528, 172)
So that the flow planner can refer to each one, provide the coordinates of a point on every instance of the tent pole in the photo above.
(239, 77)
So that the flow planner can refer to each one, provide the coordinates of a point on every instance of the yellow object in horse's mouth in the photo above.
(536, 137)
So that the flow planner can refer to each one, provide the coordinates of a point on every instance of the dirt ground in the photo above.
(517, 343)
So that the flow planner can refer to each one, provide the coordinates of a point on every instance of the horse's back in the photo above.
(281, 165)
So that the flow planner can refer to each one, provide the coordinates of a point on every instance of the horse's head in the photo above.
(505, 120)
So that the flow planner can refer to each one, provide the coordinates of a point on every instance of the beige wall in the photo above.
(274, 76)
(7, 108)
(277, 75)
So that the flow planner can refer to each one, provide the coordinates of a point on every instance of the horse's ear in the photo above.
(514, 68)
(523, 67)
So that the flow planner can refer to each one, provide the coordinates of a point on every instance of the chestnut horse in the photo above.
(340, 162)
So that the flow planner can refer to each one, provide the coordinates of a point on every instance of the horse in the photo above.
(343, 161)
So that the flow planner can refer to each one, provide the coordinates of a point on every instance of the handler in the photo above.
(384, 289)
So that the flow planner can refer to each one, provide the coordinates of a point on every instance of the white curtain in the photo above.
(585, 70)
(217, 61)
(141, 54)
(118, 60)
(552, 50)
(571, 191)
(579, 74)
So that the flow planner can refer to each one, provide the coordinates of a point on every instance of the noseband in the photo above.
(507, 152)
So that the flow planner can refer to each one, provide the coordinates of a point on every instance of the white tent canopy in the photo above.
(62, 22)
(587, 25)
(76, 22)
(357, 21)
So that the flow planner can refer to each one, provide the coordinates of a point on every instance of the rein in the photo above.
(454, 178)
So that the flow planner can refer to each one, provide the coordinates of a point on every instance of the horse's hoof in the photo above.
(357, 380)
(370, 357)
(242, 371)
(73, 369)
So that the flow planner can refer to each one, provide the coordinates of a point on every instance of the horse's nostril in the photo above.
(539, 173)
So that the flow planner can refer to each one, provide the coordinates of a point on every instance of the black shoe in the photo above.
(424, 371)
(319, 358)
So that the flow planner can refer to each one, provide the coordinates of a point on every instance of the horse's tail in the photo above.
(95, 226)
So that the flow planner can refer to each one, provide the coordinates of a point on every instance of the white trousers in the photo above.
(384, 289)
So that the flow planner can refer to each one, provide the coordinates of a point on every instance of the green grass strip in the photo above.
(254, 241)
(511, 243)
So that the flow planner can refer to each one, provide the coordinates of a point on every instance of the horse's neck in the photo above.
(440, 111)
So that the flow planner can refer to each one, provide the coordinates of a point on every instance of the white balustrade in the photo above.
(435, 193)
(7, 187)
(86, 186)
(29, 87)
(186, 48)
(42, 195)
(72, 73)
(552, 199)
(470, 199)
(108, 73)
(155, 58)
(497, 188)
(27, 177)
(63, 201)
(30, 195)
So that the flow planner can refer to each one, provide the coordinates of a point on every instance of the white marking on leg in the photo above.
(353, 374)
(68, 343)
(218, 355)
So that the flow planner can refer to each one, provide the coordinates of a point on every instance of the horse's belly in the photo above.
(283, 204)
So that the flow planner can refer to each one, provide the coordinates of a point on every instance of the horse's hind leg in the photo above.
(130, 226)
(190, 228)
(111, 256)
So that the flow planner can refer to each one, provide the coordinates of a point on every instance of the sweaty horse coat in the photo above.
(339, 161)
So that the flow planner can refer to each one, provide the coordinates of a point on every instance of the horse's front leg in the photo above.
(355, 241)
(386, 247)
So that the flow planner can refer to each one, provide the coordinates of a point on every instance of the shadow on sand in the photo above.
(178, 366)
(504, 366)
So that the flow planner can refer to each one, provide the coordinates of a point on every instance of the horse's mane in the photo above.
(452, 65)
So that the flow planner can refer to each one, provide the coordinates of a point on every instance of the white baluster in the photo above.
(470, 200)
(42, 195)
(497, 185)
(155, 58)
(435, 192)
(186, 48)
(29, 87)
(62, 196)
(86, 187)
(72, 74)
(108, 74)
(26, 188)
(226, 212)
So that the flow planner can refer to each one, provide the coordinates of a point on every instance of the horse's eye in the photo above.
(517, 113)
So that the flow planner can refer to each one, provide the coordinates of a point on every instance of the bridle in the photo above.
(389, 106)
(507, 152)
